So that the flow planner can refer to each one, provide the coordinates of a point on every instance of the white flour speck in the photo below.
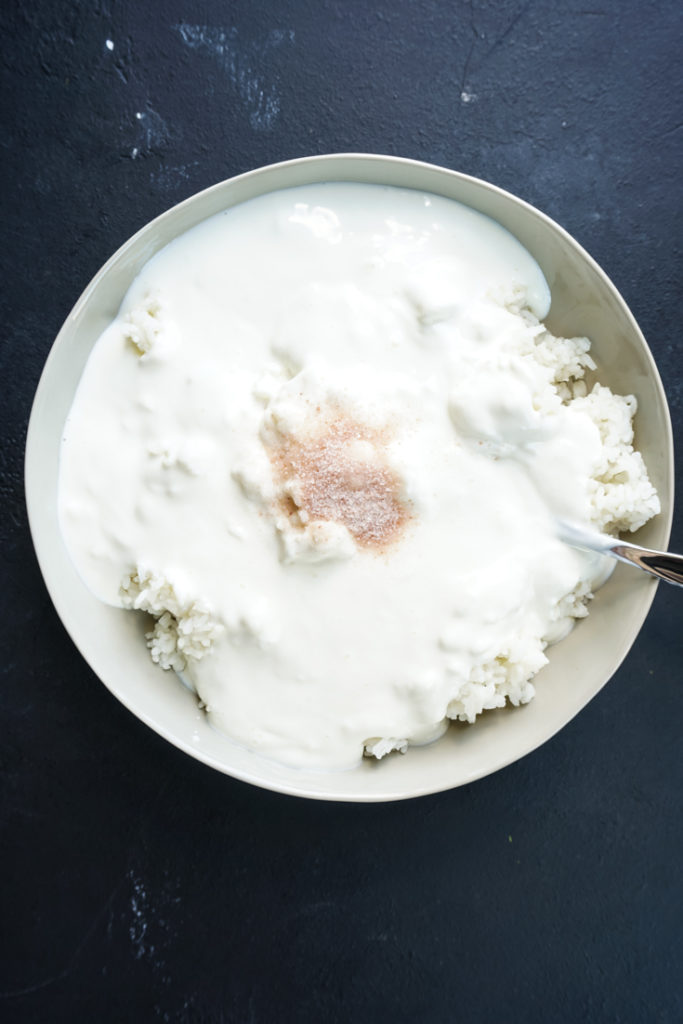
(152, 133)
(468, 97)
(109, 44)
(171, 176)
(138, 927)
(245, 64)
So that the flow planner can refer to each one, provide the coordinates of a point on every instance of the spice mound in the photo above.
(337, 471)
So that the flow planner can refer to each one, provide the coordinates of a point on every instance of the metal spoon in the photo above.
(663, 564)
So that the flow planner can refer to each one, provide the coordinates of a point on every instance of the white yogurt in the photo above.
(320, 423)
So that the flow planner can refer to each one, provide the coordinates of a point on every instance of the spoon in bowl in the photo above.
(663, 564)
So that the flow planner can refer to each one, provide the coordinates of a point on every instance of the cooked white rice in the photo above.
(184, 628)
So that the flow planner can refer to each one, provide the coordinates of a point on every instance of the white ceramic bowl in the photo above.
(583, 302)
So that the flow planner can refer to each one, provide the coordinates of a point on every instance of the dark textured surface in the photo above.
(139, 885)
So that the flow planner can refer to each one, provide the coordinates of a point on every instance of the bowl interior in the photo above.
(583, 302)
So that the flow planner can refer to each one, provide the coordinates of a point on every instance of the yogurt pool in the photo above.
(325, 444)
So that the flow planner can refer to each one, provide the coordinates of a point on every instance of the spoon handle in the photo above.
(663, 564)
(667, 566)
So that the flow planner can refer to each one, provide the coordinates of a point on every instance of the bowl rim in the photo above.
(31, 468)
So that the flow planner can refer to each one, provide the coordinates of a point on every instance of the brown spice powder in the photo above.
(342, 475)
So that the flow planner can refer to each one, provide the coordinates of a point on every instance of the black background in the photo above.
(140, 885)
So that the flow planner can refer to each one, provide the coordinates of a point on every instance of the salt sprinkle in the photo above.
(339, 474)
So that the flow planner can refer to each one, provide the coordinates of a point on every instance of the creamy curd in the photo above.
(325, 443)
